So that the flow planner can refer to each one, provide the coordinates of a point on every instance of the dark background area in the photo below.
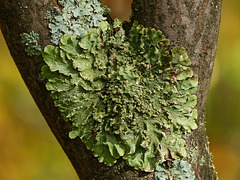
(28, 149)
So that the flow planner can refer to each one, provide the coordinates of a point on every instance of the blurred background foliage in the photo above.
(28, 150)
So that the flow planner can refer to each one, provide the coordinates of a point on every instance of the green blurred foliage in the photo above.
(28, 150)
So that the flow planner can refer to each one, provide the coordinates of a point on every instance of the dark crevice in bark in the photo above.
(193, 24)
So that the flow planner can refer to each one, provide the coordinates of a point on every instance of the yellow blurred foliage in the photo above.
(226, 160)
(120, 8)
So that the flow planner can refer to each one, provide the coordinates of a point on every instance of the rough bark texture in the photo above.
(193, 24)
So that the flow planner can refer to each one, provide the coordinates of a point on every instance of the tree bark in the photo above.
(193, 24)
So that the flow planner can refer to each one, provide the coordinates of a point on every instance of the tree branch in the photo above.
(191, 24)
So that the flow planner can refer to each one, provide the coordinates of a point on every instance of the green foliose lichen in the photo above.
(75, 17)
(129, 96)
(31, 42)
(179, 170)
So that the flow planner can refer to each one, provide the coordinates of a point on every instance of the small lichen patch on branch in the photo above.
(22, 6)
(193, 153)
(202, 161)
(178, 170)
(31, 42)
(129, 96)
(75, 17)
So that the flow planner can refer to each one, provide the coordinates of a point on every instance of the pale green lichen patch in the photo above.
(126, 96)
(193, 153)
(178, 170)
(76, 17)
(202, 161)
(31, 42)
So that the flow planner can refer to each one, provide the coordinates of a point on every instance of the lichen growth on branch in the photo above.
(31, 42)
(75, 17)
(129, 96)
(178, 170)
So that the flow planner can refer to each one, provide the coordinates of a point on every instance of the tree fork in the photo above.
(192, 24)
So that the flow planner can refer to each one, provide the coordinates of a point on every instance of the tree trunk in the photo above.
(193, 24)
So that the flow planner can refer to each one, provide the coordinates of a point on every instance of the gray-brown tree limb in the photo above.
(193, 24)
